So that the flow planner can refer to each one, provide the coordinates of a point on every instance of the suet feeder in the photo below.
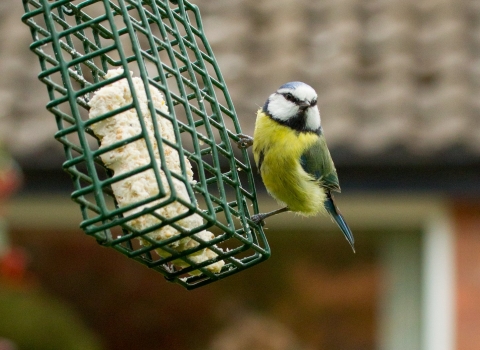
(160, 45)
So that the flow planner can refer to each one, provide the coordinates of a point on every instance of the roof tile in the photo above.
(388, 72)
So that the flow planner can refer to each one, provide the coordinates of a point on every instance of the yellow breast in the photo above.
(278, 148)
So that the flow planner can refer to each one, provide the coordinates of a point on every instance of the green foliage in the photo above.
(33, 320)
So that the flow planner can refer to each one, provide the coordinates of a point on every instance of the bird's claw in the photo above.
(258, 219)
(244, 141)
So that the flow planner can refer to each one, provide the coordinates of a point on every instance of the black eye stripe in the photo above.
(288, 96)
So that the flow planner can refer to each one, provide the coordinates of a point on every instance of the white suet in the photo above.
(134, 155)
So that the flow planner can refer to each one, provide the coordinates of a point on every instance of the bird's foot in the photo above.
(258, 219)
(244, 141)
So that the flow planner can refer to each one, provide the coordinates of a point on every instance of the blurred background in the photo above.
(399, 93)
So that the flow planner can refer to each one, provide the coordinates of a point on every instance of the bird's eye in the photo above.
(289, 97)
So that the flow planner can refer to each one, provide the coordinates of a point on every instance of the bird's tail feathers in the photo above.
(339, 219)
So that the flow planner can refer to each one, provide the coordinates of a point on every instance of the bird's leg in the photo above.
(258, 218)
(244, 141)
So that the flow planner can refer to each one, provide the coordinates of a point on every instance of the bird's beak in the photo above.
(303, 105)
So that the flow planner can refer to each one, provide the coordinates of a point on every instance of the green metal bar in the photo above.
(76, 47)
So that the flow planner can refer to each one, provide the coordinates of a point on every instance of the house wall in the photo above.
(467, 228)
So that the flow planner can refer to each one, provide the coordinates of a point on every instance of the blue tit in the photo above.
(292, 157)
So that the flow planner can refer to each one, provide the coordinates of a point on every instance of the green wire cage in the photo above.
(158, 50)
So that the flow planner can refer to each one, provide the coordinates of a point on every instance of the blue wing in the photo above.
(318, 162)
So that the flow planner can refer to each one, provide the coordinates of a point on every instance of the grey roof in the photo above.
(390, 74)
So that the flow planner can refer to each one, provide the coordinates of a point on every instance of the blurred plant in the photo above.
(10, 175)
(13, 266)
(13, 260)
(31, 319)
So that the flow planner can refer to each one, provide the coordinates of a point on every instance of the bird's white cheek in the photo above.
(313, 118)
(282, 109)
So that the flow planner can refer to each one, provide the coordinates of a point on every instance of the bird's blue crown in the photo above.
(291, 85)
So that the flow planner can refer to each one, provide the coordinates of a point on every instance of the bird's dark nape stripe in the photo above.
(339, 219)
(298, 122)
(265, 108)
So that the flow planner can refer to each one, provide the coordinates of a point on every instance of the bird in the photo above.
(291, 154)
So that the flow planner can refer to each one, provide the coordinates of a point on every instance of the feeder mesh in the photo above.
(163, 44)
